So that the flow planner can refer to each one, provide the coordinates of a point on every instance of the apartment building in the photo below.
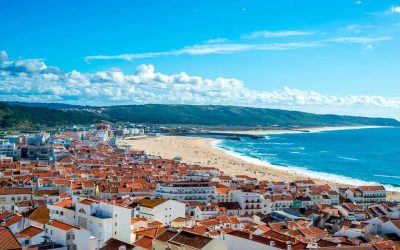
(251, 203)
(365, 196)
(202, 192)
(10, 196)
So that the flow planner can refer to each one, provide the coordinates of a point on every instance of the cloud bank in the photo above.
(33, 81)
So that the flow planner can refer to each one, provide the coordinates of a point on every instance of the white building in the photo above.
(73, 237)
(161, 210)
(31, 236)
(238, 240)
(103, 220)
(364, 196)
(10, 196)
(224, 194)
(251, 203)
(280, 202)
(202, 192)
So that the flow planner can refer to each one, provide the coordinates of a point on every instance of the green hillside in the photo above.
(233, 116)
(33, 117)
(24, 116)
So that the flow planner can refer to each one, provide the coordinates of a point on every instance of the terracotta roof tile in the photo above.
(8, 240)
(62, 225)
(29, 232)
(144, 242)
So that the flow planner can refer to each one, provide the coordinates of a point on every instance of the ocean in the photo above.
(358, 156)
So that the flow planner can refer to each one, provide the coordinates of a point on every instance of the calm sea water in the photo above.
(359, 156)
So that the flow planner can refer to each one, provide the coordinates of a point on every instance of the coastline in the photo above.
(298, 130)
(204, 151)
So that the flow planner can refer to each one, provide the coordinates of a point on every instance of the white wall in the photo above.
(237, 243)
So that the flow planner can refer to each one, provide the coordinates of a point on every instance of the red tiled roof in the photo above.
(144, 242)
(62, 225)
(29, 232)
(8, 191)
(8, 240)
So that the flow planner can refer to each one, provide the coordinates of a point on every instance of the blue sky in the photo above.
(319, 56)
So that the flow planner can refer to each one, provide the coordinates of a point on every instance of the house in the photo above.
(103, 220)
(113, 244)
(144, 243)
(352, 211)
(24, 206)
(185, 240)
(37, 217)
(231, 208)
(224, 194)
(206, 212)
(238, 240)
(278, 186)
(70, 236)
(188, 221)
(31, 236)
(161, 210)
(280, 202)
(14, 222)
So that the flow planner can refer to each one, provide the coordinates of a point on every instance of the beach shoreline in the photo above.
(203, 151)
(297, 130)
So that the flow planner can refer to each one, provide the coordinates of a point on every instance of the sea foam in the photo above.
(301, 171)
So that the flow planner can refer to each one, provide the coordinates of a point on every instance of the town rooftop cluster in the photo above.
(81, 189)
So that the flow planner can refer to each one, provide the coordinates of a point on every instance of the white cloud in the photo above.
(361, 40)
(217, 40)
(280, 33)
(37, 83)
(357, 28)
(212, 48)
(222, 46)
(367, 42)
(395, 9)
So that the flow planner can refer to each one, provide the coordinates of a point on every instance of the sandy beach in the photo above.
(197, 150)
